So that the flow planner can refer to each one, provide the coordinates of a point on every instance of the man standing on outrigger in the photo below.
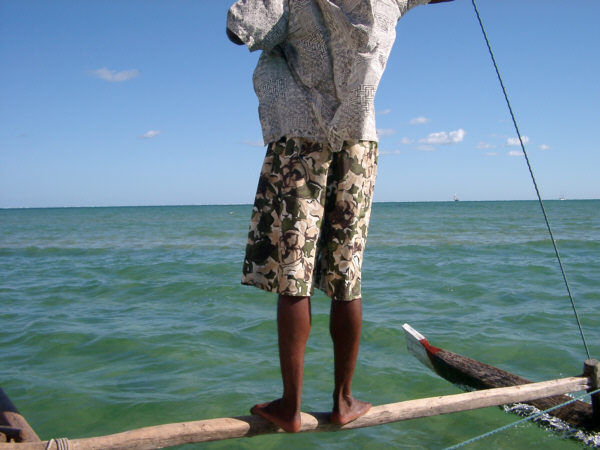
(316, 80)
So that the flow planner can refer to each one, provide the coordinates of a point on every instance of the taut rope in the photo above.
(562, 270)
(519, 422)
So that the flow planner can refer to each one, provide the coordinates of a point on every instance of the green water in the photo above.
(117, 318)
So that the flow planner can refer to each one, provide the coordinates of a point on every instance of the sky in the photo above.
(146, 102)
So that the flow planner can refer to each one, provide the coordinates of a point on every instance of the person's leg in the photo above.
(344, 326)
(347, 211)
(293, 328)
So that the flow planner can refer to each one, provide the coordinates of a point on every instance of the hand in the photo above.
(235, 39)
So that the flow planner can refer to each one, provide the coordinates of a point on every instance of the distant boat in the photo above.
(562, 197)
(456, 198)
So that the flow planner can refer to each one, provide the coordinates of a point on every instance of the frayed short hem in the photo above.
(274, 290)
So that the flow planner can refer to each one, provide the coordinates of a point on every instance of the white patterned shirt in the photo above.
(320, 65)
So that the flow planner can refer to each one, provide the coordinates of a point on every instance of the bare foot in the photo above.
(348, 409)
(275, 412)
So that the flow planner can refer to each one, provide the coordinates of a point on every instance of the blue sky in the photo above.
(145, 102)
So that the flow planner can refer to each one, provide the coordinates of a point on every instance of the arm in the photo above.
(259, 24)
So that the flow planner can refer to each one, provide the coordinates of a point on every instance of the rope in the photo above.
(61, 444)
(518, 422)
(533, 179)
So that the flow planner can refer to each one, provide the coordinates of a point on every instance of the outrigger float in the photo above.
(493, 387)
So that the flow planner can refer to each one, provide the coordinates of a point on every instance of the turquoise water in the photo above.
(117, 318)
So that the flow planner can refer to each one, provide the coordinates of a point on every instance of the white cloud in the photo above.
(425, 148)
(385, 131)
(390, 152)
(383, 112)
(406, 141)
(114, 76)
(491, 154)
(254, 143)
(484, 145)
(515, 153)
(150, 134)
(544, 147)
(514, 142)
(419, 120)
(441, 137)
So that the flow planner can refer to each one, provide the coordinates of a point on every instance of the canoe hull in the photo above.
(470, 374)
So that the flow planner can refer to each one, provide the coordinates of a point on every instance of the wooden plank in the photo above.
(245, 426)
(11, 418)
(471, 374)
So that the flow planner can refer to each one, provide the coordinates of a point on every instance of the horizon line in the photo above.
(250, 204)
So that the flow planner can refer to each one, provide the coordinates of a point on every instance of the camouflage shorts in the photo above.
(310, 218)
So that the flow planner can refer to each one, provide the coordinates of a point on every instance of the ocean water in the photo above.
(118, 318)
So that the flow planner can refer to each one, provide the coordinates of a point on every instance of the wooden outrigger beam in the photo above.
(499, 388)
(470, 374)
(246, 426)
